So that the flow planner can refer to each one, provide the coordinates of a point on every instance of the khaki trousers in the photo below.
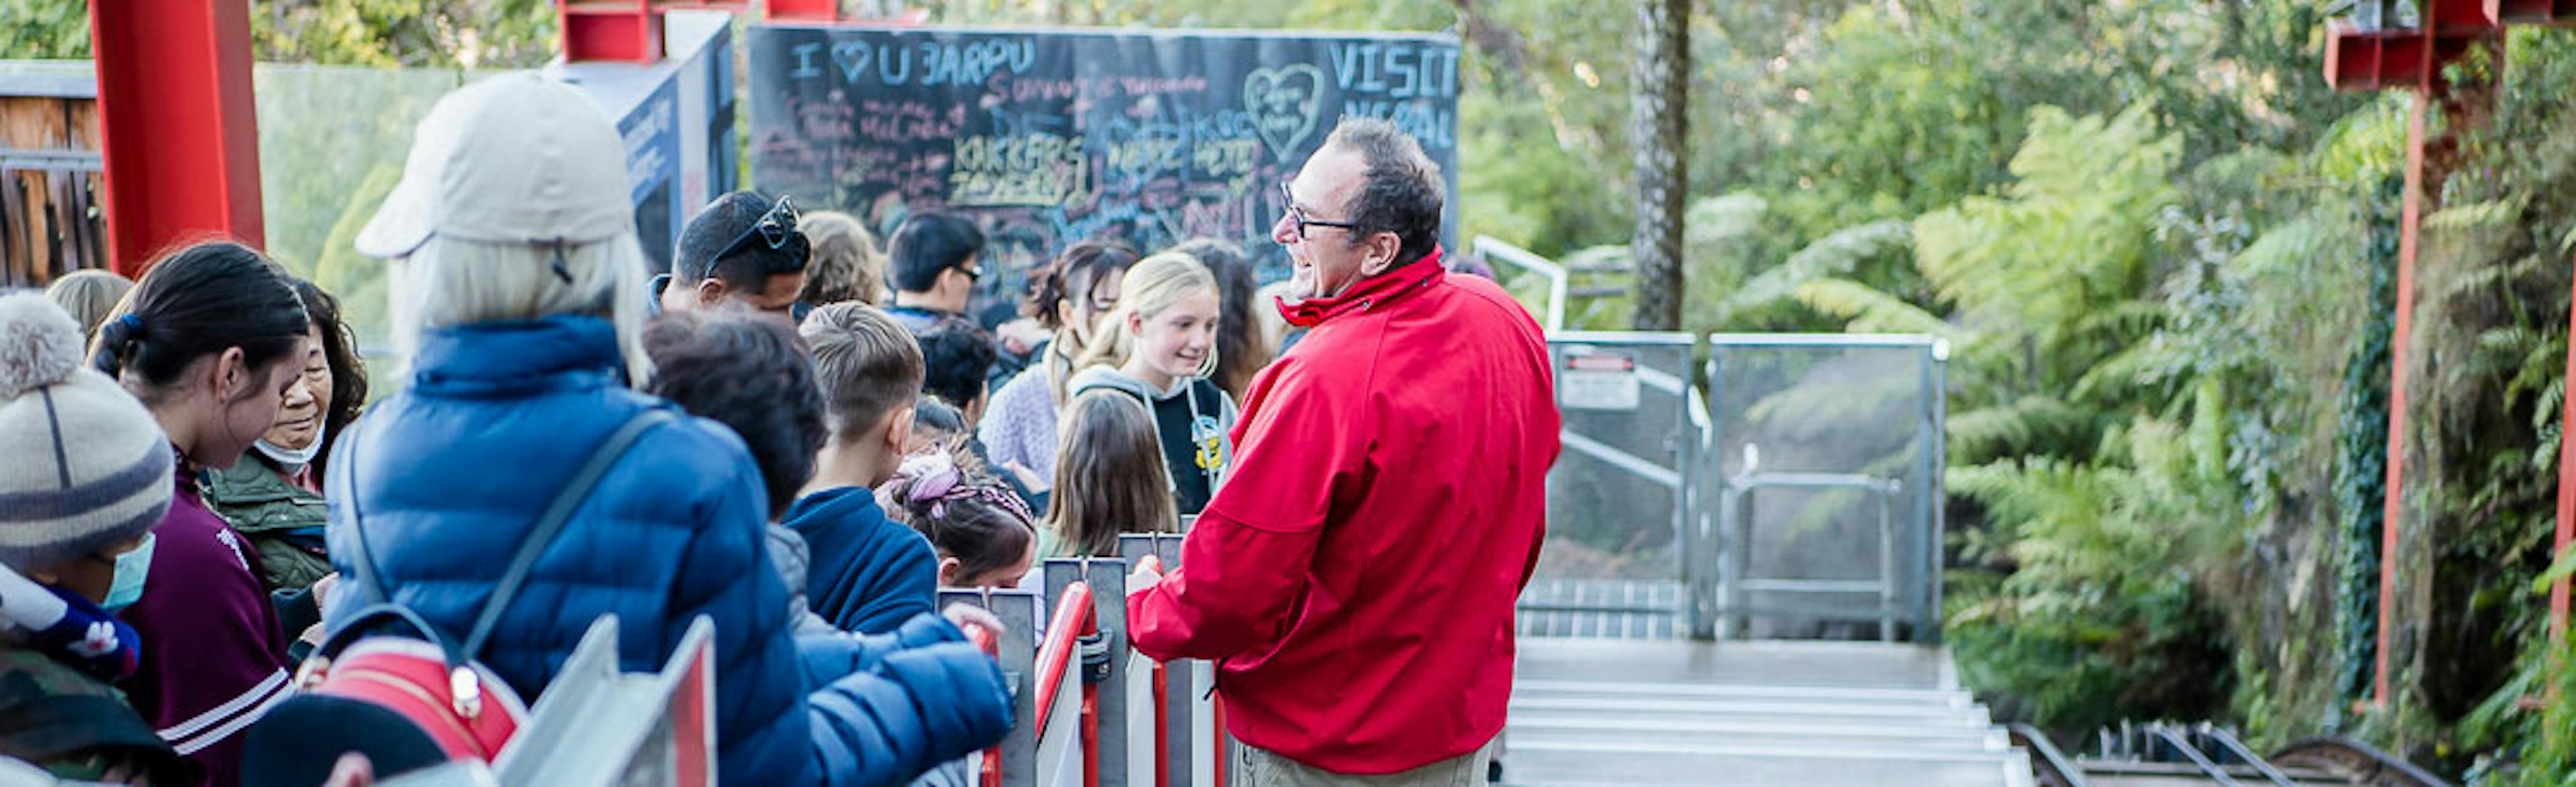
(1255, 767)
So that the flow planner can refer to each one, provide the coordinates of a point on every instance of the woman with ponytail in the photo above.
(1073, 296)
(211, 340)
(1160, 347)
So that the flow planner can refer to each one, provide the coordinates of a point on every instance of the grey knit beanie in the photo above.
(82, 464)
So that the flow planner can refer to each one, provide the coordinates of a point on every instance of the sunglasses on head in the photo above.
(777, 228)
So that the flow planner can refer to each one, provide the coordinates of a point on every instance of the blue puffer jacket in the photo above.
(449, 476)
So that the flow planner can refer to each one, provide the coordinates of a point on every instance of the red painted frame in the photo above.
(2412, 58)
(180, 133)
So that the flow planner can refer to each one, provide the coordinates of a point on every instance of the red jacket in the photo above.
(1356, 574)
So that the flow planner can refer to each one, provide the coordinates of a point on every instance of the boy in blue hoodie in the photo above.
(867, 573)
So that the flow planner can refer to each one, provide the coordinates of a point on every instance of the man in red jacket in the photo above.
(1355, 577)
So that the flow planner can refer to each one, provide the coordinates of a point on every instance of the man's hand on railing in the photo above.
(1148, 573)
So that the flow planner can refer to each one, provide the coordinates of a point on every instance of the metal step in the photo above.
(1737, 691)
(1553, 763)
(1681, 709)
(1739, 731)
(1749, 713)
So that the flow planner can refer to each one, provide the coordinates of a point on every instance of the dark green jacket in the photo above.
(62, 720)
(284, 522)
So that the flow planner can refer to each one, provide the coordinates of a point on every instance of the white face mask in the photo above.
(294, 458)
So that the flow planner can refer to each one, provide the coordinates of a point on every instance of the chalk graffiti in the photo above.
(973, 63)
(1221, 158)
(1037, 169)
(1148, 155)
(942, 62)
(1436, 127)
(1401, 70)
(907, 121)
(1284, 102)
(1153, 85)
(1045, 138)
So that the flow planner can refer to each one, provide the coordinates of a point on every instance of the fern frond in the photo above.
(1869, 311)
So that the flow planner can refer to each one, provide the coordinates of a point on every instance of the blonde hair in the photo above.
(846, 264)
(1154, 284)
(449, 282)
(89, 295)
(1109, 476)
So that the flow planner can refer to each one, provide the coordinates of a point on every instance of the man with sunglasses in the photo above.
(932, 263)
(1354, 579)
(742, 253)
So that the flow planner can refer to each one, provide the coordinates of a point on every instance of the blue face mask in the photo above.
(127, 587)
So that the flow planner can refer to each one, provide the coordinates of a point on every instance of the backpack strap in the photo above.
(556, 516)
(345, 468)
(551, 522)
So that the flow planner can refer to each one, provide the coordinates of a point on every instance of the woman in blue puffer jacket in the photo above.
(519, 284)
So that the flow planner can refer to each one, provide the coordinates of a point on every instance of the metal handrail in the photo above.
(2192, 753)
(2337, 753)
(2047, 755)
(2237, 749)
(1495, 249)
(1072, 621)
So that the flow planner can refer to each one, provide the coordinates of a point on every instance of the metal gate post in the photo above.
(1180, 726)
(1018, 610)
(1108, 580)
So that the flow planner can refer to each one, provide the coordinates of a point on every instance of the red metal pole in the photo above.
(180, 130)
(2410, 224)
(2566, 488)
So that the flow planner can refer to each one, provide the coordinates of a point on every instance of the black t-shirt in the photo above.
(1192, 442)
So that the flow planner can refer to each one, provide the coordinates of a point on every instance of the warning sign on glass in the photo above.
(1595, 379)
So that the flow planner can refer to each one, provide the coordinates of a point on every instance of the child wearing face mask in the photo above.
(1160, 347)
(210, 340)
(85, 488)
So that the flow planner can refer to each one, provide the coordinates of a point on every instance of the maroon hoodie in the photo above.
(212, 658)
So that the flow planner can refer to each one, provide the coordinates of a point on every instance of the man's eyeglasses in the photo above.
(1297, 214)
(777, 228)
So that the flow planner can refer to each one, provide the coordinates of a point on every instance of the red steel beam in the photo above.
(180, 132)
(2566, 488)
(2410, 225)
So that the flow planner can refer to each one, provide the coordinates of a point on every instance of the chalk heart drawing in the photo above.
(852, 57)
(1285, 103)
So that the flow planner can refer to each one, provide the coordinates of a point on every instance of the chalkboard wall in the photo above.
(1046, 137)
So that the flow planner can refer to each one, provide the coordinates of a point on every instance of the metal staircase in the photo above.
(1600, 712)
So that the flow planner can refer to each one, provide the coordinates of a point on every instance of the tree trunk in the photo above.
(1659, 129)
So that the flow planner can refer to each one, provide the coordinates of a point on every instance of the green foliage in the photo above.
(2100, 619)
(407, 33)
(45, 30)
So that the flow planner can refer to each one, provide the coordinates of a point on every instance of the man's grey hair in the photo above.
(1401, 190)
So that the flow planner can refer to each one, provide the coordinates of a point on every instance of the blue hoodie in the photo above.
(864, 572)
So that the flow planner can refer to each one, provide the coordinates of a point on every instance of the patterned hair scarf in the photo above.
(71, 628)
(936, 480)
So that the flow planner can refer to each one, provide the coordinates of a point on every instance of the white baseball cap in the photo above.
(512, 158)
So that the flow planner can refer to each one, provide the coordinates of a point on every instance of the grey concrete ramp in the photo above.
(1598, 712)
